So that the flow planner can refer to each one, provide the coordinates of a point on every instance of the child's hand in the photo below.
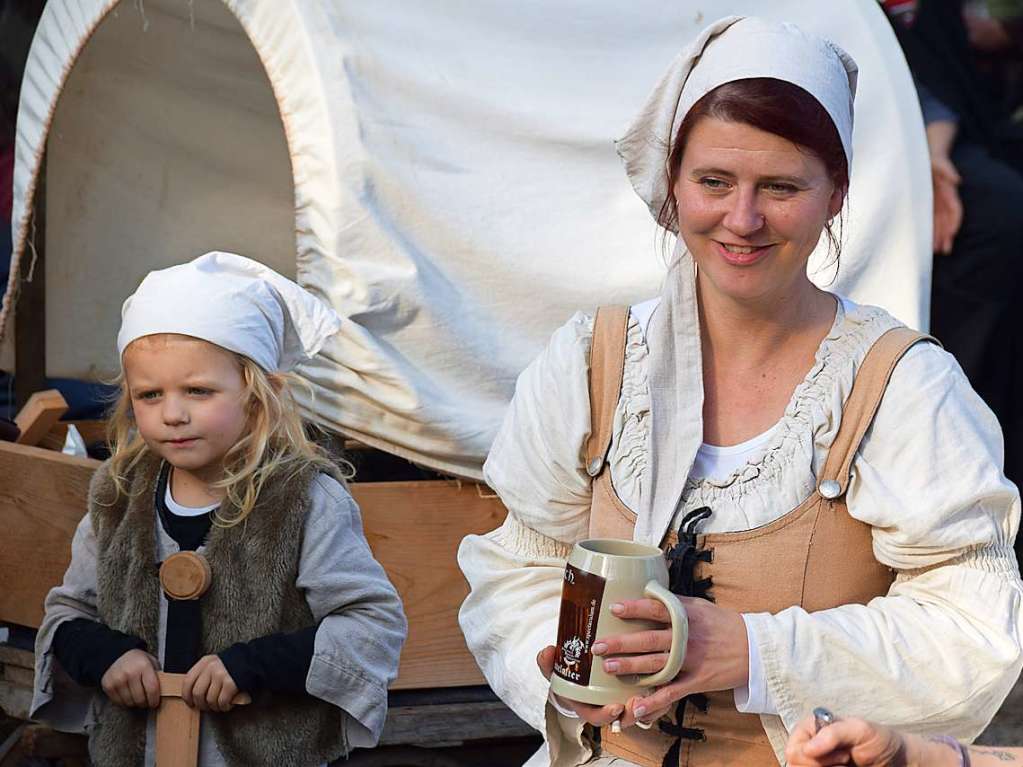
(132, 681)
(208, 686)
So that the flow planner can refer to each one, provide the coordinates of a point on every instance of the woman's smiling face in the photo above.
(751, 208)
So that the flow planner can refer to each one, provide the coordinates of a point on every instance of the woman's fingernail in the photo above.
(617, 608)
(599, 648)
(611, 666)
(639, 711)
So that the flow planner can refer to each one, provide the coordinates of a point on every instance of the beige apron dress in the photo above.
(816, 556)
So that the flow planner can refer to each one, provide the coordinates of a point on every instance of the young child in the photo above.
(209, 454)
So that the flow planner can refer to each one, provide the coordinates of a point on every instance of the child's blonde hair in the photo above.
(274, 441)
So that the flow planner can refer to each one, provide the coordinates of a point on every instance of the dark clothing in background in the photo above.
(977, 291)
(977, 288)
(938, 53)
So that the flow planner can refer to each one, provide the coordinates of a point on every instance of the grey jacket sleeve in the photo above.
(362, 625)
(56, 699)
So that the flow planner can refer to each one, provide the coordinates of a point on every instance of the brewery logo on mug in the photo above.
(581, 595)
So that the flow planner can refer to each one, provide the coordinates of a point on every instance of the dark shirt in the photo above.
(184, 616)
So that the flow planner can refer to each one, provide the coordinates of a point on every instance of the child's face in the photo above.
(189, 401)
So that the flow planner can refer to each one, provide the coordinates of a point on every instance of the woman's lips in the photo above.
(742, 259)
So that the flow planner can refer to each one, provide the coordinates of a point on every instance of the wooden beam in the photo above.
(93, 433)
(45, 743)
(39, 415)
(15, 700)
(414, 529)
(42, 499)
(12, 656)
(453, 723)
(30, 303)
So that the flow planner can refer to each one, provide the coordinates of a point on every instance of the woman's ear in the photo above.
(837, 201)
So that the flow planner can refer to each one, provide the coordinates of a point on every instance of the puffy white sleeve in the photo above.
(941, 650)
(361, 623)
(515, 572)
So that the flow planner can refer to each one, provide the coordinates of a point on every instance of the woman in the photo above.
(732, 433)
(855, 741)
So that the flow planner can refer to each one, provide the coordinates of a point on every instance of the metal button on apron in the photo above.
(829, 488)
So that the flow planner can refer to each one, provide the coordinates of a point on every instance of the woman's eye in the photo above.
(713, 183)
(780, 188)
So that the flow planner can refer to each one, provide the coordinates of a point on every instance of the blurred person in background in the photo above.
(978, 229)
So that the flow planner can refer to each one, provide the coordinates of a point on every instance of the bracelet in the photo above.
(955, 745)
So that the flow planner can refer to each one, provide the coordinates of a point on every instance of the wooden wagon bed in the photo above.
(414, 529)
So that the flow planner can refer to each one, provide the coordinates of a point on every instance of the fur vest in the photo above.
(253, 594)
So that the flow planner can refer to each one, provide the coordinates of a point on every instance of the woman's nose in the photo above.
(744, 217)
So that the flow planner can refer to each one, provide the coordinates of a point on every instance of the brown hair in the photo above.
(773, 106)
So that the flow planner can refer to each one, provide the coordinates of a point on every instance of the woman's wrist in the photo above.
(927, 752)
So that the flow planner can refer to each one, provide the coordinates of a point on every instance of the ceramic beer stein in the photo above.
(600, 572)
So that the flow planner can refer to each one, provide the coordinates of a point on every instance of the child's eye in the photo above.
(199, 391)
(147, 395)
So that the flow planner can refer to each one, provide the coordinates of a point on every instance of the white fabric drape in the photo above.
(456, 192)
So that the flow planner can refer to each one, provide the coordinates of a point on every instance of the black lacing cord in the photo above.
(682, 561)
(684, 556)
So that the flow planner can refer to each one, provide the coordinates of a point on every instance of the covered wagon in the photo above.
(443, 174)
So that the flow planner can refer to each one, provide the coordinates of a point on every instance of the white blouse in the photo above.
(938, 653)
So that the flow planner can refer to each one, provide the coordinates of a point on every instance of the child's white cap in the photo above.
(233, 302)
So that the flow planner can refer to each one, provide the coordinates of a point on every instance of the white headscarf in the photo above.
(233, 302)
(730, 49)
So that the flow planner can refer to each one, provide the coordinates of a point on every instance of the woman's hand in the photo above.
(208, 686)
(598, 716)
(866, 744)
(717, 655)
(948, 206)
(132, 681)
(846, 741)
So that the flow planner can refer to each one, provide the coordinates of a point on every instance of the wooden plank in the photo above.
(93, 433)
(45, 743)
(414, 529)
(451, 723)
(30, 306)
(39, 415)
(10, 749)
(22, 677)
(12, 656)
(42, 499)
(15, 700)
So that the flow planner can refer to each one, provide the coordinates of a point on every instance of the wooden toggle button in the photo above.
(185, 575)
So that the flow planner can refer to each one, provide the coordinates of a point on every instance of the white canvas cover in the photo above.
(442, 173)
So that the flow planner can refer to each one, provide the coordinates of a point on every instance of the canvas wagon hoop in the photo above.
(309, 136)
(153, 130)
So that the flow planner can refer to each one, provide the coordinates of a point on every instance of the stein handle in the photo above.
(679, 636)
